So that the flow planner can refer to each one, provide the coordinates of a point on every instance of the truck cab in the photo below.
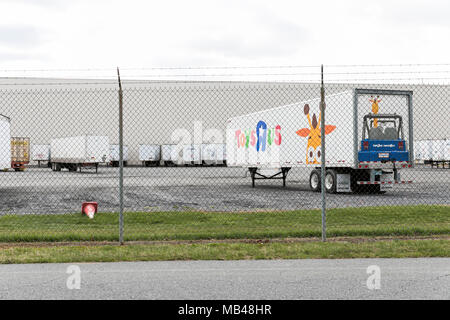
(383, 139)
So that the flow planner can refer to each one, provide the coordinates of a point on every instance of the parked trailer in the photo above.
(5, 143)
(192, 154)
(369, 138)
(150, 154)
(171, 154)
(213, 154)
(20, 153)
(75, 153)
(434, 152)
(41, 153)
(115, 155)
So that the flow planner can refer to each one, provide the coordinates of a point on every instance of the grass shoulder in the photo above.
(226, 251)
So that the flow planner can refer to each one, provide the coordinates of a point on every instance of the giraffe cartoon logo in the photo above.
(375, 108)
(313, 135)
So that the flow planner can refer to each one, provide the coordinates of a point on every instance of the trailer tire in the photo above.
(314, 180)
(330, 181)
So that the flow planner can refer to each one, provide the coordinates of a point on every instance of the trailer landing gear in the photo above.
(255, 175)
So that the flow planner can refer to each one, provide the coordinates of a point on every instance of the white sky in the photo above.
(69, 34)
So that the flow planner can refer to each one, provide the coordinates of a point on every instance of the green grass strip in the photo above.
(420, 220)
(227, 251)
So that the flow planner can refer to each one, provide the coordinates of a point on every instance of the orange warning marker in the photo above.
(89, 209)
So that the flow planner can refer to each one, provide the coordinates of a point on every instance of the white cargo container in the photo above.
(5, 143)
(192, 154)
(447, 152)
(150, 154)
(115, 155)
(439, 153)
(213, 154)
(439, 150)
(427, 149)
(171, 154)
(76, 152)
(361, 152)
(40, 153)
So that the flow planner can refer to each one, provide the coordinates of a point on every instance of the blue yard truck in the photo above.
(383, 152)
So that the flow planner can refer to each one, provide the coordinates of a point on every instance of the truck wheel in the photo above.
(314, 180)
(330, 181)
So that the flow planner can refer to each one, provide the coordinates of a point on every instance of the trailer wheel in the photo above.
(314, 180)
(330, 181)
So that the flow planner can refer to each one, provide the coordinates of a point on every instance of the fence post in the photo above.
(322, 153)
(120, 159)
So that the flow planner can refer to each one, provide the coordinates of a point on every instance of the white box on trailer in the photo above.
(447, 150)
(419, 150)
(427, 149)
(40, 152)
(5, 142)
(439, 149)
(149, 152)
(82, 149)
(213, 153)
(169, 153)
(279, 137)
(115, 153)
(289, 136)
(192, 153)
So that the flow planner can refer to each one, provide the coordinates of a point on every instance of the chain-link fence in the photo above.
(224, 159)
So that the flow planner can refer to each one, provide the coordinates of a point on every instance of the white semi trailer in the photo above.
(170, 154)
(213, 154)
(433, 151)
(5, 142)
(192, 154)
(369, 138)
(150, 154)
(75, 153)
(115, 155)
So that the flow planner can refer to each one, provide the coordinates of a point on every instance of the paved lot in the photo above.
(39, 190)
(259, 279)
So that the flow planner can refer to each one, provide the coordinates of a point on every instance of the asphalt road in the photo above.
(197, 188)
(424, 278)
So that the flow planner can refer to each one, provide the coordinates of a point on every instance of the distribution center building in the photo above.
(165, 112)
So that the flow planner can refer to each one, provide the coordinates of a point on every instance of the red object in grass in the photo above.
(89, 209)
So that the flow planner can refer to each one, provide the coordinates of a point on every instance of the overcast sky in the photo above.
(134, 33)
